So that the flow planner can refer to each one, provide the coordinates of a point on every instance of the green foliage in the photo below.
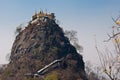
(53, 49)
(52, 76)
(37, 79)
(36, 51)
(28, 79)
(32, 79)
(7, 72)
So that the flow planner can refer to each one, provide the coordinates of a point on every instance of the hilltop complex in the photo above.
(42, 17)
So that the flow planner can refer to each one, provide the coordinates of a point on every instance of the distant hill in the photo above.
(42, 52)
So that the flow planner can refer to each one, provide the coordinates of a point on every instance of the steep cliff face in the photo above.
(37, 46)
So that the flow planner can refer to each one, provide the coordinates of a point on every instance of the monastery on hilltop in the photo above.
(41, 14)
(42, 17)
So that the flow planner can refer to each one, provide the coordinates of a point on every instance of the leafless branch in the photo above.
(110, 37)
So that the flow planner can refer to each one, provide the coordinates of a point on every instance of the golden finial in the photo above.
(40, 10)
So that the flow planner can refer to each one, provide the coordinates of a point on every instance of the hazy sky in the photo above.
(87, 17)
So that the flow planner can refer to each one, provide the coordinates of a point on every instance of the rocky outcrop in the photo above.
(37, 46)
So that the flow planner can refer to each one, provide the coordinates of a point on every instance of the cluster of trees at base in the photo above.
(0, 72)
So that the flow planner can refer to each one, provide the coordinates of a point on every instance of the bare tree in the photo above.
(18, 29)
(8, 57)
(110, 60)
(93, 72)
(72, 36)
